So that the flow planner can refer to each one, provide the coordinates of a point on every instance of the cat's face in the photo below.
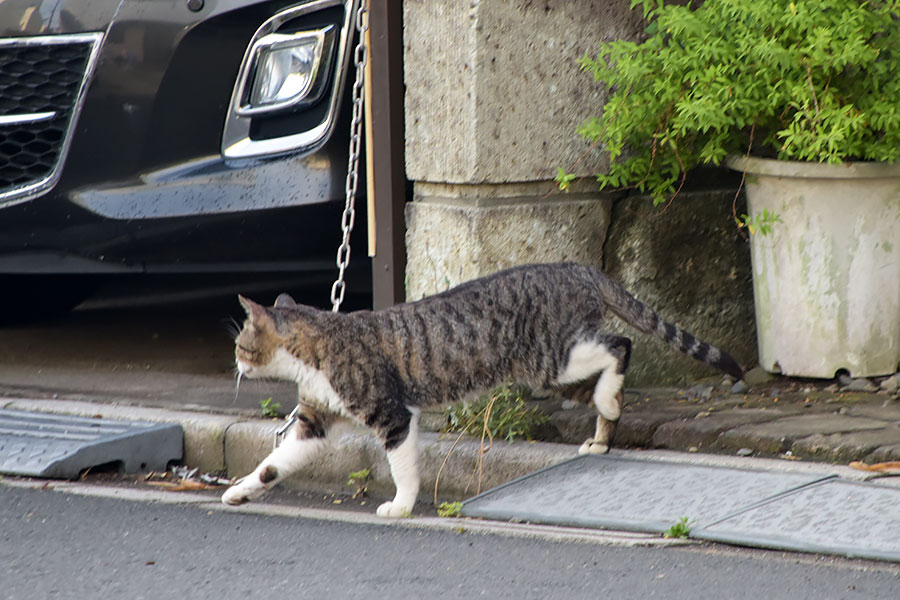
(258, 342)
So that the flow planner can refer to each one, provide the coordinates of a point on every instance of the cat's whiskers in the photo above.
(233, 326)
(237, 387)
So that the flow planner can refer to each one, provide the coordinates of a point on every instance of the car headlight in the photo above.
(287, 70)
(290, 83)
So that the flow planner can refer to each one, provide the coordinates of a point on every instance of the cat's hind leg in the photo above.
(607, 394)
(298, 448)
(402, 455)
(604, 432)
(603, 360)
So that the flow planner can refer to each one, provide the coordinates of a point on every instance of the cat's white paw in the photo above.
(393, 509)
(242, 492)
(593, 447)
(235, 496)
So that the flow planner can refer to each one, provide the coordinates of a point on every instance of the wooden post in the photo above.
(388, 172)
(370, 191)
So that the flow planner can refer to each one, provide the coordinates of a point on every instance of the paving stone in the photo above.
(891, 412)
(433, 419)
(777, 436)
(757, 376)
(845, 447)
(704, 432)
(574, 425)
(884, 454)
(739, 387)
(638, 423)
(861, 385)
(891, 384)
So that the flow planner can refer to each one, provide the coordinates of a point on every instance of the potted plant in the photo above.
(802, 96)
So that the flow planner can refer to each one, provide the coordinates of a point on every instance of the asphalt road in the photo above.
(65, 546)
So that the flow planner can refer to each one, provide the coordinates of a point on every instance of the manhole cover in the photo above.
(59, 446)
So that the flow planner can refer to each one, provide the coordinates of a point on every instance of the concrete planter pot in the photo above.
(826, 281)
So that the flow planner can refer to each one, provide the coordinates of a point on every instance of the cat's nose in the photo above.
(244, 369)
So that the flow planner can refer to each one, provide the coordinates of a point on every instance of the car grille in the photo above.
(42, 80)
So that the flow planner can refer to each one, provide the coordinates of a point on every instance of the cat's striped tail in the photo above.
(646, 320)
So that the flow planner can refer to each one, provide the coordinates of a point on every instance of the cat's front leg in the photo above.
(299, 447)
(403, 459)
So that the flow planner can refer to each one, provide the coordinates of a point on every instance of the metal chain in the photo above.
(349, 216)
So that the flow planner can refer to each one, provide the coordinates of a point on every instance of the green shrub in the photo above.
(810, 80)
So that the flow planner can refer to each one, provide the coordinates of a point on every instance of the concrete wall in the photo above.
(692, 265)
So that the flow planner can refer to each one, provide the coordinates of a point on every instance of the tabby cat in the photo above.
(541, 325)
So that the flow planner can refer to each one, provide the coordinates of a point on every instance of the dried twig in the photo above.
(481, 452)
(882, 467)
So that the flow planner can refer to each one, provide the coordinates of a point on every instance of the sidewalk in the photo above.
(783, 426)
(856, 420)
(792, 420)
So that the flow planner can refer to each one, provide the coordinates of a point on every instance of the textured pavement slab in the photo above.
(834, 517)
(635, 495)
(62, 446)
(792, 511)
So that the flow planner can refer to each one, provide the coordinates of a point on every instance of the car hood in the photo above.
(25, 18)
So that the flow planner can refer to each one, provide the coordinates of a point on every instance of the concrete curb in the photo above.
(235, 445)
(217, 443)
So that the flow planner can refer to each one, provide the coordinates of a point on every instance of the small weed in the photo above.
(449, 509)
(680, 530)
(563, 179)
(270, 409)
(760, 223)
(359, 479)
(502, 413)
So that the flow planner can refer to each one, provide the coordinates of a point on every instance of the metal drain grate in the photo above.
(58, 446)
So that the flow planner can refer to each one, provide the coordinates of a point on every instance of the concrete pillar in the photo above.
(493, 99)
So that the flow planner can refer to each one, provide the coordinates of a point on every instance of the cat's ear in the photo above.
(258, 314)
(284, 301)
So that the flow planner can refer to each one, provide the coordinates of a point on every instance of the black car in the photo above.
(180, 137)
